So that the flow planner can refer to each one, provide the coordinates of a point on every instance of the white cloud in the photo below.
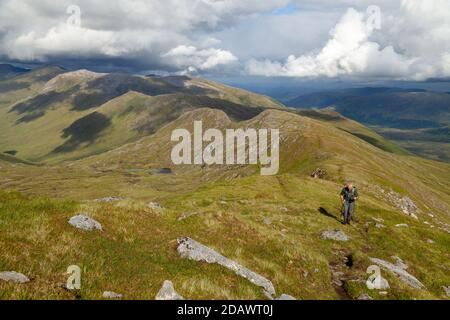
(199, 59)
(414, 47)
(67, 40)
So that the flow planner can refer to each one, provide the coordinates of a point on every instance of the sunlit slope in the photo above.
(79, 113)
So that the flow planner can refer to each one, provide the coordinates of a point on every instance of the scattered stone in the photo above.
(430, 241)
(447, 290)
(191, 249)
(379, 225)
(286, 297)
(336, 235)
(401, 225)
(305, 274)
(155, 206)
(380, 220)
(284, 209)
(319, 173)
(109, 199)
(167, 292)
(112, 295)
(222, 202)
(186, 215)
(82, 221)
(13, 276)
(365, 296)
(383, 293)
(267, 221)
(398, 271)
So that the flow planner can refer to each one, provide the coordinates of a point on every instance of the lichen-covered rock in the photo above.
(167, 292)
(82, 221)
(191, 249)
(336, 235)
(13, 276)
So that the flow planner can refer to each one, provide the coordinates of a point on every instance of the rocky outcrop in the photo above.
(13, 276)
(167, 292)
(403, 203)
(191, 249)
(82, 221)
(335, 235)
(399, 271)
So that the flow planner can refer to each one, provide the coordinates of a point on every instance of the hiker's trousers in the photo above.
(349, 208)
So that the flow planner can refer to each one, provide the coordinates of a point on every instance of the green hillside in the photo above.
(80, 113)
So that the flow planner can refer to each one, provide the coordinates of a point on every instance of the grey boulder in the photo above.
(335, 235)
(82, 221)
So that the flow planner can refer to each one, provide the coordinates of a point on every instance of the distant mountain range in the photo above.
(7, 71)
(399, 108)
(417, 119)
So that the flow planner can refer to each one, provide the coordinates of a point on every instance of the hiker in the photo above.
(349, 195)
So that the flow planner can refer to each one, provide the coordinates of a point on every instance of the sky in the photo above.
(363, 40)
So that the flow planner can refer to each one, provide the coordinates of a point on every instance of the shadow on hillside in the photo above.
(324, 211)
(83, 130)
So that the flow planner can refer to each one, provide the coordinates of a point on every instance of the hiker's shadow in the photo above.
(324, 211)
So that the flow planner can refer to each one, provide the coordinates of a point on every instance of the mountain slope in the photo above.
(272, 224)
(74, 114)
